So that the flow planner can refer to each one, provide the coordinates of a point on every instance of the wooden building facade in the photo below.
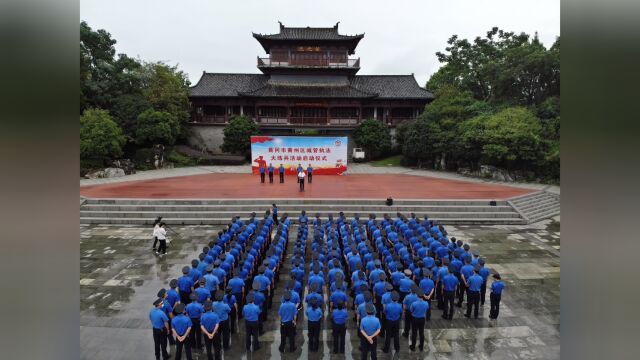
(308, 80)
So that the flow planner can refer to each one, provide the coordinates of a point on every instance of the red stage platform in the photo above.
(355, 186)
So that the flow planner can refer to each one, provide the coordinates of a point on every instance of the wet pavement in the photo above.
(120, 276)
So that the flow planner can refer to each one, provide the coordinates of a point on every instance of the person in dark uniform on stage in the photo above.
(160, 324)
(281, 173)
(309, 172)
(262, 172)
(271, 168)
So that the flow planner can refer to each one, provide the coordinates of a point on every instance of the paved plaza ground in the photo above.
(120, 275)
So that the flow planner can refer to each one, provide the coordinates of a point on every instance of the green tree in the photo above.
(237, 135)
(503, 67)
(418, 142)
(374, 137)
(509, 138)
(100, 136)
(157, 127)
(167, 89)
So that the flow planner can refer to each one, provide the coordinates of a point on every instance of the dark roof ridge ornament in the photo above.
(281, 25)
(336, 25)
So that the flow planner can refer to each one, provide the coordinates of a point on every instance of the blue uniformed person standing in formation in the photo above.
(262, 173)
(160, 325)
(195, 311)
(251, 314)
(271, 168)
(222, 309)
(314, 317)
(496, 294)
(394, 265)
(309, 173)
(209, 324)
(281, 173)
(369, 329)
(392, 314)
(181, 325)
(288, 315)
(418, 314)
(339, 318)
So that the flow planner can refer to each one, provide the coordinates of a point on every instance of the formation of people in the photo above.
(301, 173)
(390, 275)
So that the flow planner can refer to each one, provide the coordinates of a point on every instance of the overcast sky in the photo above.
(401, 37)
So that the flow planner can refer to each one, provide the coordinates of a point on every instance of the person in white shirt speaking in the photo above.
(301, 175)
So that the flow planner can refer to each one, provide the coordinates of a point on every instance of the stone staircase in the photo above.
(216, 212)
(537, 206)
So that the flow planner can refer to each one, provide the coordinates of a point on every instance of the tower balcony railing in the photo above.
(324, 63)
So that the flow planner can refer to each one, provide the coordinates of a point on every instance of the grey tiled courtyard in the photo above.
(120, 275)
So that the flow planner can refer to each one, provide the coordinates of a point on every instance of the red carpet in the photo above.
(360, 186)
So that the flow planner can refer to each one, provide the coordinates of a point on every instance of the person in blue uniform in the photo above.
(406, 309)
(251, 314)
(314, 317)
(473, 296)
(231, 300)
(494, 297)
(281, 173)
(222, 309)
(274, 213)
(181, 325)
(484, 272)
(271, 169)
(309, 173)
(262, 173)
(195, 310)
(185, 285)
(428, 288)
(418, 314)
(160, 324)
(338, 319)
(209, 325)
(288, 315)
(449, 285)
(392, 315)
(369, 330)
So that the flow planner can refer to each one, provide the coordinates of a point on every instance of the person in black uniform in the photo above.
(271, 173)
(274, 213)
(281, 173)
(309, 173)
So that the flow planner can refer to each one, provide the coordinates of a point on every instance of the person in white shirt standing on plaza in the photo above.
(161, 233)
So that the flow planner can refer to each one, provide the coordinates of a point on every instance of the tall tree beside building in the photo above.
(100, 137)
(374, 136)
(237, 135)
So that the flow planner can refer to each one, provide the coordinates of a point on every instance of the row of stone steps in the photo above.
(216, 212)
(537, 206)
